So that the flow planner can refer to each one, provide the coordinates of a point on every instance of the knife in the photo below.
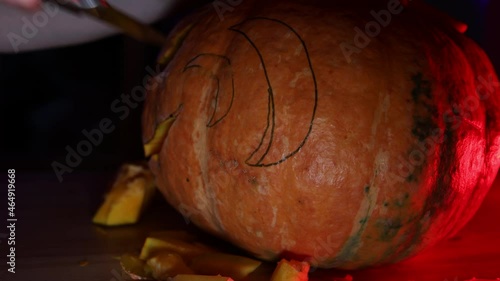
(102, 10)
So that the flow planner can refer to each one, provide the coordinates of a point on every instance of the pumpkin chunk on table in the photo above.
(130, 193)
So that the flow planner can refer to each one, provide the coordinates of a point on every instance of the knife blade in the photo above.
(102, 10)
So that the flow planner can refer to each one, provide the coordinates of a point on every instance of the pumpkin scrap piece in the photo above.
(187, 250)
(178, 256)
(166, 265)
(153, 146)
(137, 269)
(237, 267)
(130, 193)
(188, 277)
(291, 271)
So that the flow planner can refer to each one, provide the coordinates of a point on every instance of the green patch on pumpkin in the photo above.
(389, 228)
(422, 87)
(425, 112)
(349, 250)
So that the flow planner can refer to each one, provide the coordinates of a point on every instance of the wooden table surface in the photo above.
(55, 239)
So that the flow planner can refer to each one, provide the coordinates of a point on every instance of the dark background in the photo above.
(48, 97)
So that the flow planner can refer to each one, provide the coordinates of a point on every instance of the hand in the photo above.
(27, 4)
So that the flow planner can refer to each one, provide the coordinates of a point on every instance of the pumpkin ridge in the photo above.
(349, 250)
(214, 75)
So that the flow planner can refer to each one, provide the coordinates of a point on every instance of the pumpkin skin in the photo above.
(285, 148)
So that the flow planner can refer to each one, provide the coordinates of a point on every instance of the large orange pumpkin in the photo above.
(345, 133)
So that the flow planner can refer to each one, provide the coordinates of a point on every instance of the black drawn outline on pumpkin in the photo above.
(211, 123)
(271, 108)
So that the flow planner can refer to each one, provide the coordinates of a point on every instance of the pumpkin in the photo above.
(342, 133)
